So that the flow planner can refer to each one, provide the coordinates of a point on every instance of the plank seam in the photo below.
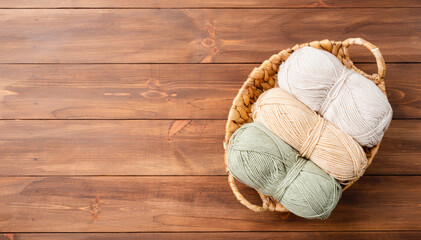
(171, 176)
(327, 231)
(143, 119)
(168, 63)
(140, 8)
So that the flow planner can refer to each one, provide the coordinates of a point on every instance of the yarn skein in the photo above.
(261, 160)
(332, 149)
(342, 96)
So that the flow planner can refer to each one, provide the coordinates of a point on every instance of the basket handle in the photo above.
(240, 197)
(381, 66)
(266, 206)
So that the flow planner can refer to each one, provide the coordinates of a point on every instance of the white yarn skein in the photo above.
(342, 96)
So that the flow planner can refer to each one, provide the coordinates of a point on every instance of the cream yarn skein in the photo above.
(332, 149)
(350, 101)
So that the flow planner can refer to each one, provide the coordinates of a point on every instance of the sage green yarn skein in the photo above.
(261, 160)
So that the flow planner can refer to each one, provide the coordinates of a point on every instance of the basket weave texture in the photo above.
(264, 78)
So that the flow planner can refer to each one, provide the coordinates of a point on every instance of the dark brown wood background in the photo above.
(113, 113)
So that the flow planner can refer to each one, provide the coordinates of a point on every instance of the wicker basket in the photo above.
(264, 77)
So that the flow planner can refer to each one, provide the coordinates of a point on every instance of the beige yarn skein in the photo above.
(332, 149)
(342, 96)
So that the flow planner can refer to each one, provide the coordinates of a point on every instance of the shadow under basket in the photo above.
(264, 78)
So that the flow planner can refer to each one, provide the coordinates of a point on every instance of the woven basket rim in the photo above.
(264, 77)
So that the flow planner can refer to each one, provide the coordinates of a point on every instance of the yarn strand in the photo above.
(330, 148)
(345, 98)
(261, 160)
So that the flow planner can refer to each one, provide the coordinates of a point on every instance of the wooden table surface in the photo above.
(113, 113)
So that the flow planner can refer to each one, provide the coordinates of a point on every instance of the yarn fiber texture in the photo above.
(332, 149)
(342, 96)
(261, 160)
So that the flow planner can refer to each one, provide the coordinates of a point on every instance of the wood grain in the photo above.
(205, 4)
(89, 91)
(408, 235)
(111, 148)
(167, 204)
(156, 148)
(154, 91)
(198, 35)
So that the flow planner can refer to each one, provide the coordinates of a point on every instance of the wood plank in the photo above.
(154, 91)
(94, 147)
(168, 204)
(197, 35)
(408, 235)
(205, 4)
(185, 148)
